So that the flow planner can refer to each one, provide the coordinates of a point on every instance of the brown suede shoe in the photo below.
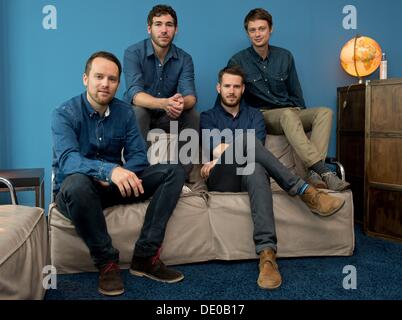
(155, 269)
(321, 202)
(110, 282)
(269, 277)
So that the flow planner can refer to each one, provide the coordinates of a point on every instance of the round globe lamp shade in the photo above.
(360, 56)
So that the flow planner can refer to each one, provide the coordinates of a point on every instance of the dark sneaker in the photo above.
(110, 282)
(155, 269)
(314, 179)
(334, 183)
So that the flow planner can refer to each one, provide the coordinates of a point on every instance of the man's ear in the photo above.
(85, 79)
(271, 30)
(218, 87)
(244, 88)
(149, 29)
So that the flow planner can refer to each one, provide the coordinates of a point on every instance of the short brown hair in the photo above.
(233, 70)
(102, 54)
(258, 14)
(160, 10)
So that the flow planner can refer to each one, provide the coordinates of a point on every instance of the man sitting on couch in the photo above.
(89, 133)
(225, 173)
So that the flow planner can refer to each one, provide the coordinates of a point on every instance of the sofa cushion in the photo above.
(23, 252)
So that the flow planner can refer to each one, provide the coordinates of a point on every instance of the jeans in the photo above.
(148, 119)
(224, 178)
(82, 200)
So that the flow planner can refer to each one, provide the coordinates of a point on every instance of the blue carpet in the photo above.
(378, 264)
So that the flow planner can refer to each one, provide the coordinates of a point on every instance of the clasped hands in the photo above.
(175, 106)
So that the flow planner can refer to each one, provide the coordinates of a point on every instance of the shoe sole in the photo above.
(270, 288)
(143, 274)
(330, 213)
(111, 293)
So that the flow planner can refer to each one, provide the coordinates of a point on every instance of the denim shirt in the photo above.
(219, 118)
(145, 73)
(84, 142)
(270, 83)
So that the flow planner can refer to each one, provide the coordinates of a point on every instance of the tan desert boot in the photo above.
(321, 202)
(269, 277)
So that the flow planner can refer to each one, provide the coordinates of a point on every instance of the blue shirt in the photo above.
(84, 142)
(270, 83)
(144, 72)
(219, 118)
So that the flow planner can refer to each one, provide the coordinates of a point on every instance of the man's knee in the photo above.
(190, 119)
(324, 113)
(77, 184)
(288, 118)
(257, 174)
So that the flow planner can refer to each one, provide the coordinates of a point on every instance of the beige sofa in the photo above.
(23, 251)
(211, 225)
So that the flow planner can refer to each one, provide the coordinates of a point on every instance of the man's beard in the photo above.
(229, 103)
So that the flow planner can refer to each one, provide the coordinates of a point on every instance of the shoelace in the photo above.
(155, 259)
(110, 267)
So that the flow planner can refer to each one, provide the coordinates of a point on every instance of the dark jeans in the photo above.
(148, 119)
(82, 200)
(224, 178)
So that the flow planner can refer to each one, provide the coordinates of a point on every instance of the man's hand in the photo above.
(175, 106)
(206, 168)
(127, 181)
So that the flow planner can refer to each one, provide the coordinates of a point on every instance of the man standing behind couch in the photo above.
(233, 115)
(272, 85)
(160, 77)
(89, 133)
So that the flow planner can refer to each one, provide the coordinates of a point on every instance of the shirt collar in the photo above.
(257, 56)
(218, 105)
(91, 111)
(172, 53)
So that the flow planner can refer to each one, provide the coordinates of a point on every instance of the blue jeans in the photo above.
(224, 178)
(82, 200)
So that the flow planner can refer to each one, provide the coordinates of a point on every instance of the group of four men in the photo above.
(90, 132)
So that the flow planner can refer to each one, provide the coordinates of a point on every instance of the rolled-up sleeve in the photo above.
(133, 74)
(135, 153)
(186, 84)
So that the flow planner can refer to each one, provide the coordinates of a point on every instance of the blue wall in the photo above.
(2, 90)
(43, 68)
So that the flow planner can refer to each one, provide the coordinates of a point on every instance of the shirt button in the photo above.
(159, 93)
(160, 78)
(100, 139)
(160, 65)
(266, 80)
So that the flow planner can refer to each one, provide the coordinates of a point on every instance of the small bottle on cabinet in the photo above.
(383, 67)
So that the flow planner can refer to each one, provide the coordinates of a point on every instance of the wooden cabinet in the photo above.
(369, 145)
(350, 141)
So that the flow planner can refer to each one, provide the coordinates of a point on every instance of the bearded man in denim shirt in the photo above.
(273, 87)
(90, 131)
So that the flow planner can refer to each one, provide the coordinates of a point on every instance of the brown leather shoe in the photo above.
(321, 202)
(110, 282)
(269, 277)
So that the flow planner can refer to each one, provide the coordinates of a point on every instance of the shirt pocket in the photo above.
(254, 78)
(278, 82)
